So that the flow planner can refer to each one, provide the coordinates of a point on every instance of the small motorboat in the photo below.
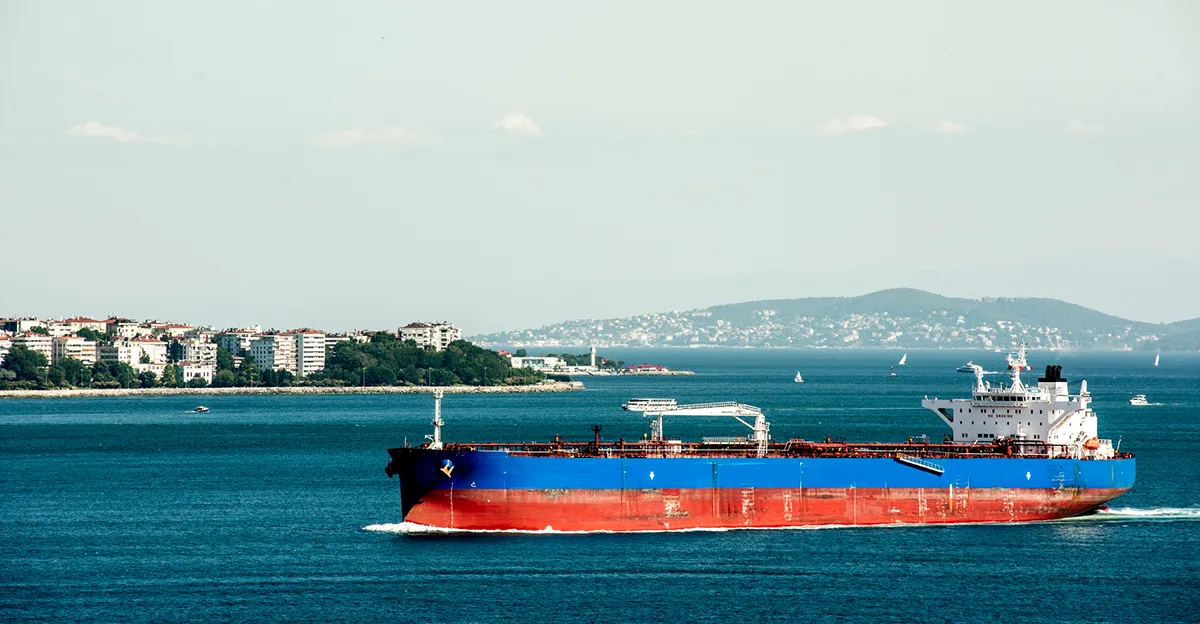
(200, 409)
(892, 372)
(969, 367)
(1139, 399)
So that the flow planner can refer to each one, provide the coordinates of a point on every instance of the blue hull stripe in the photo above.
(498, 470)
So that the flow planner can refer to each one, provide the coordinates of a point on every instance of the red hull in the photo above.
(656, 510)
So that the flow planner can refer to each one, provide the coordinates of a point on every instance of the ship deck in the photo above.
(795, 448)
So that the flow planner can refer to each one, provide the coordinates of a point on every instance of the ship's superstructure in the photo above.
(1014, 411)
(1015, 454)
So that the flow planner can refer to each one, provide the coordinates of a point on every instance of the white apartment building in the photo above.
(153, 348)
(59, 328)
(20, 325)
(437, 335)
(83, 322)
(131, 329)
(173, 330)
(5, 345)
(237, 341)
(36, 342)
(310, 351)
(197, 350)
(120, 353)
(74, 347)
(191, 370)
(274, 351)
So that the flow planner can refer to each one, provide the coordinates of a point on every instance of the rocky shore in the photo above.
(557, 386)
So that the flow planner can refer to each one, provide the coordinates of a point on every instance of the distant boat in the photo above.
(1139, 399)
(903, 359)
(969, 367)
(798, 378)
(200, 409)
(892, 371)
(1156, 359)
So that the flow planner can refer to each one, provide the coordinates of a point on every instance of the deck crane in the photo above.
(656, 409)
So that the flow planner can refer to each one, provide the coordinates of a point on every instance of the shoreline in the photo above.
(79, 393)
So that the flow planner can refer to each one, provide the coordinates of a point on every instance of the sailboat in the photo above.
(798, 378)
(1156, 359)
(891, 371)
(903, 359)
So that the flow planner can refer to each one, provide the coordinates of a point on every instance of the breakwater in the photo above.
(558, 386)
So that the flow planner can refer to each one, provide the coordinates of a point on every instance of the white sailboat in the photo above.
(1156, 359)
(903, 359)
(798, 378)
(892, 371)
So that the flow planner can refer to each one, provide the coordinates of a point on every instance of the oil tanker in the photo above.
(1015, 453)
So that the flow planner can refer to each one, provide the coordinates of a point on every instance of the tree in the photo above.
(224, 360)
(197, 382)
(91, 334)
(125, 375)
(57, 376)
(224, 379)
(26, 364)
(100, 373)
(39, 329)
(248, 373)
(381, 376)
(148, 379)
(145, 359)
(521, 353)
(171, 376)
(383, 338)
(75, 372)
(174, 351)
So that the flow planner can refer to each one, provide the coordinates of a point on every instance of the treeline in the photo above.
(387, 361)
(384, 361)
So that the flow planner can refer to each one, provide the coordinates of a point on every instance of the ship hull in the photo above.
(486, 490)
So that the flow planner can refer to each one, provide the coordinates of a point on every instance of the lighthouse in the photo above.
(593, 356)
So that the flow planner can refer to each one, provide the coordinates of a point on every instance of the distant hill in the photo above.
(901, 318)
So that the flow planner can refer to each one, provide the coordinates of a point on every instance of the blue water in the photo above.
(138, 510)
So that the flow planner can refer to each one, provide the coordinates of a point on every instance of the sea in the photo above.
(277, 508)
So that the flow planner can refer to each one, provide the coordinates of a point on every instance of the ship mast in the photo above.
(435, 440)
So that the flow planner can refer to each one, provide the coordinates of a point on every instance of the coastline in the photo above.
(79, 393)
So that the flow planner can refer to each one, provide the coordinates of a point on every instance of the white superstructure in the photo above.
(1047, 413)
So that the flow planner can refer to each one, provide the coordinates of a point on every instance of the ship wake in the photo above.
(1134, 514)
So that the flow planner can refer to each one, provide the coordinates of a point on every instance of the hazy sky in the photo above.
(510, 164)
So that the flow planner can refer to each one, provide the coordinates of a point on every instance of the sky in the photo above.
(504, 165)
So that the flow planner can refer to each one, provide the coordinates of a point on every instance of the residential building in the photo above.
(310, 351)
(190, 370)
(151, 367)
(123, 352)
(36, 342)
(20, 325)
(59, 328)
(173, 330)
(274, 351)
(125, 328)
(73, 347)
(237, 341)
(197, 350)
(83, 322)
(153, 348)
(5, 345)
(437, 335)
(539, 363)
